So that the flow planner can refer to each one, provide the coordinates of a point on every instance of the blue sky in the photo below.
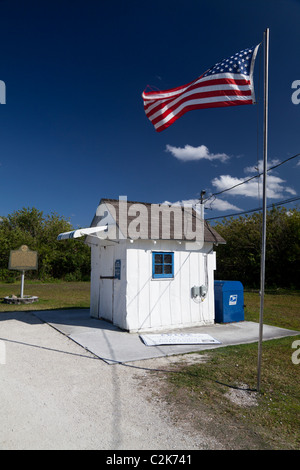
(73, 129)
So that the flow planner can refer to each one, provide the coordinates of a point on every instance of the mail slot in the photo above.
(229, 301)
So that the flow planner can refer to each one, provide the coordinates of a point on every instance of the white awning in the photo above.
(81, 232)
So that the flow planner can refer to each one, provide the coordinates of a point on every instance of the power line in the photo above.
(287, 201)
(252, 177)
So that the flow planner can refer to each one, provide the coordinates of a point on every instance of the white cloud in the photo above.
(275, 186)
(226, 181)
(253, 169)
(189, 153)
(290, 190)
(221, 205)
(186, 203)
(216, 204)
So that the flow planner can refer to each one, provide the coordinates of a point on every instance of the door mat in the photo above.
(178, 338)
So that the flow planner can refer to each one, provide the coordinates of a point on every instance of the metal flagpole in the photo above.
(264, 225)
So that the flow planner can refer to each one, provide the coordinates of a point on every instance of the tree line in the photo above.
(238, 260)
(68, 260)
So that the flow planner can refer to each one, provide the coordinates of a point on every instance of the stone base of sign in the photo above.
(26, 299)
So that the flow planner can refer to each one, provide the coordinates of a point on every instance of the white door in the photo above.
(106, 283)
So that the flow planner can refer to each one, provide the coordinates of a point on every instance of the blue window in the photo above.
(162, 265)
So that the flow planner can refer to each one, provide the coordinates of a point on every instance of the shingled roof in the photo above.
(210, 234)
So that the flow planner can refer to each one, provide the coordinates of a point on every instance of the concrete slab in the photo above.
(113, 345)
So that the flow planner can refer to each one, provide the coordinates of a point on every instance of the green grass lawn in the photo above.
(273, 422)
(281, 308)
(51, 295)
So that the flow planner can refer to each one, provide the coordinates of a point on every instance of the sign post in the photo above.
(23, 260)
(22, 284)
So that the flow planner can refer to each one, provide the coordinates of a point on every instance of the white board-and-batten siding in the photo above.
(141, 303)
(108, 296)
(160, 303)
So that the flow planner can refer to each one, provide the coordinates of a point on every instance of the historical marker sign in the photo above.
(23, 259)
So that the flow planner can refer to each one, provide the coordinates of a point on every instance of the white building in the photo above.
(143, 278)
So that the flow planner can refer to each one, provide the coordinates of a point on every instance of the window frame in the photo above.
(154, 264)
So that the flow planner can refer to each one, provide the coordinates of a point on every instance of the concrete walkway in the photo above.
(113, 345)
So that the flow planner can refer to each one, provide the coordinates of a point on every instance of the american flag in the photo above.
(228, 83)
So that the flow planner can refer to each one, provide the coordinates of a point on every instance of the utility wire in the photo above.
(287, 201)
(252, 177)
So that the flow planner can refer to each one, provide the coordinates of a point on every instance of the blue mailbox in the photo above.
(229, 301)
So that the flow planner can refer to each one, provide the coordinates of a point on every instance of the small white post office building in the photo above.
(147, 274)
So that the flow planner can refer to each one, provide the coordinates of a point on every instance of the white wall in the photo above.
(161, 303)
(119, 287)
(95, 277)
(137, 302)
(108, 296)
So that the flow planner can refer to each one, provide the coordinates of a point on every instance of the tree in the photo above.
(240, 258)
(69, 259)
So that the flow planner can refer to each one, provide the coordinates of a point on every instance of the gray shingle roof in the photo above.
(150, 222)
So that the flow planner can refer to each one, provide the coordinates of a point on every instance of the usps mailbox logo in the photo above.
(233, 299)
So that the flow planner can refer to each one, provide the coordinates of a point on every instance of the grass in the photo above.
(273, 422)
(281, 308)
(54, 295)
(202, 389)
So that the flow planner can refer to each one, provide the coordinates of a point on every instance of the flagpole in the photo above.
(264, 225)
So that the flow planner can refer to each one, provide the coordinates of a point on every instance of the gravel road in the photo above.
(56, 395)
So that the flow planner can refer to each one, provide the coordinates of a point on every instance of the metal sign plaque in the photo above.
(118, 269)
(23, 259)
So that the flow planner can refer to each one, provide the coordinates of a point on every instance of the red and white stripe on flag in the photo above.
(228, 83)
